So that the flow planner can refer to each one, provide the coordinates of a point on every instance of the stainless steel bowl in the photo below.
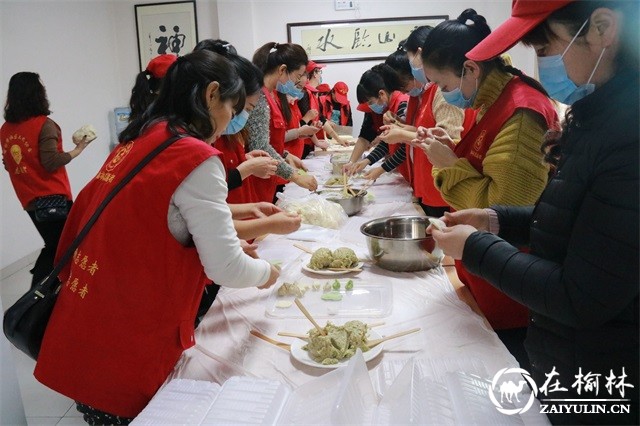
(351, 205)
(401, 243)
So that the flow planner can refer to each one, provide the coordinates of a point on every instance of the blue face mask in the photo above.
(377, 108)
(418, 74)
(237, 123)
(455, 97)
(416, 91)
(289, 88)
(555, 80)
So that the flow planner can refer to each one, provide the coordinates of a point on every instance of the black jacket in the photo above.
(581, 277)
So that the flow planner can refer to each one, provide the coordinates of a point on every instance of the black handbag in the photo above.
(26, 320)
(51, 208)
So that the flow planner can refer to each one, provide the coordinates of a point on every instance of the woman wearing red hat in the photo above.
(499, 159)
(283, 66)
(309, 107)
(580, 278)
(147, 84)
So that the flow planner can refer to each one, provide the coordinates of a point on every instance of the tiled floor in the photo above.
(42, 405)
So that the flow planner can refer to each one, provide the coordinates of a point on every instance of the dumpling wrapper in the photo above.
(88, 130)
(437, 223)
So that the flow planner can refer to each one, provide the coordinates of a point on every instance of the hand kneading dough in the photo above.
(89, 131)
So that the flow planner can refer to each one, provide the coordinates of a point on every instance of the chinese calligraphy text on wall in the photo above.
(356, 40)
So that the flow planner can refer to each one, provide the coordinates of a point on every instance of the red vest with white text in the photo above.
(129, 296)
(21, 155)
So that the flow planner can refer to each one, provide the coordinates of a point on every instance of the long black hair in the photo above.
(572, 17)
(417, 38)
(448, 43)
(271, 55)
(379, 77)
(26, 98)
(399, 61)
(181, 100)
(250, 74)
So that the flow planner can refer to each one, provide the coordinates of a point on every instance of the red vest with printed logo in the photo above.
(21, 155)
(266, 188)
(129, 296)
(232, 155)
(327, 110)
(501, 311)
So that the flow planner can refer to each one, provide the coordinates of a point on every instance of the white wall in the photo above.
(248, 24)
(86, 54)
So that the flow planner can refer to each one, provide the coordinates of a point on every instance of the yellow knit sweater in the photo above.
(513, 171)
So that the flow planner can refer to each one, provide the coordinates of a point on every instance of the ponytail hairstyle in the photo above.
(379, 77)
(251, 75)
(26, 98)
(271, 55)
(284, 106)
(143, 93)
(447, 44)
(181, 101)
(417, 38)
(572, 16)
(399, 62)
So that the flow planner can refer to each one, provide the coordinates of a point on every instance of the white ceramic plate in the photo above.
(331, 273)
(303, 356)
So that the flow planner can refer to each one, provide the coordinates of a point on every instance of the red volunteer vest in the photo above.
(313, 104)
(130, 294)
(501, 311)
(232, 155)
(266, 188)
(21, 155)
(423, 184)
(327, 109)
(295, 146)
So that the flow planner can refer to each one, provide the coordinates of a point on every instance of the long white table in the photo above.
(449, 327)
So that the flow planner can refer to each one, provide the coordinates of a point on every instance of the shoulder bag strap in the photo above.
(83, 233)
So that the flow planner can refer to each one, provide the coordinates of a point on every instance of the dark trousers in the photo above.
(513, 339)
(434, 211)
(50, 233)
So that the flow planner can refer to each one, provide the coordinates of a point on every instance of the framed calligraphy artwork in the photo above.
(165, 28)
(355, 40)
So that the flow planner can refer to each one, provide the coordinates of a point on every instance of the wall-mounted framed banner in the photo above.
(355, 40)
(165, 28)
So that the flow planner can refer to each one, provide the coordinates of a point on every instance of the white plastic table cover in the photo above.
(449, 328)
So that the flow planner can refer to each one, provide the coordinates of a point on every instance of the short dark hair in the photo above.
(271, 55)
(181, 100)
(26, 98)
(417, 38)
(250, 74)
(379, 77)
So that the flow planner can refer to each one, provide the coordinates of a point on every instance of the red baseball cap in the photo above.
(340, 90)
(364, 107)
(525, 16)
(323, 88)
(312, 66)
(159, 65)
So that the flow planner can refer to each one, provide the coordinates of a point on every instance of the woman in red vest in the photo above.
(309, 107)
(499, 160)
(32, 154)
(124, 316)
(335, 112)
(283, 65)
(426, 108)
(379, 92)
